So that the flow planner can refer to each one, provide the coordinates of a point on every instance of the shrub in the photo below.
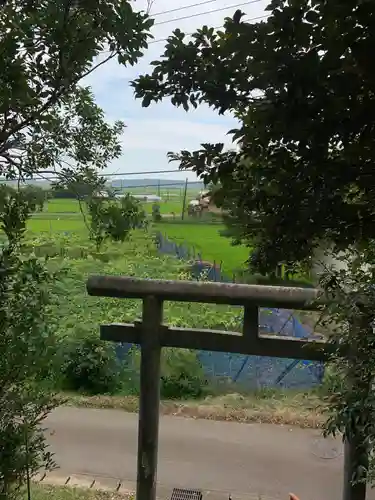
(156, 215)
(182, 375)
(333, 382)
(112, 219)
(90, 365)
(244, 276)
(27, 357)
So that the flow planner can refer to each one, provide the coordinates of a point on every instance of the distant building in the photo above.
(146, 198)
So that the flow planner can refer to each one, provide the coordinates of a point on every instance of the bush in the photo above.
(182, 375)
(90, 365)
(112, 219)
(258, 279)
(333, 382)
(156, 215)
(27, 347)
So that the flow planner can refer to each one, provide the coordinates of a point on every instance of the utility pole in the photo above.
(184, 200)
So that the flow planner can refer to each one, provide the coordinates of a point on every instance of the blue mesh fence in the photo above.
(251, 372)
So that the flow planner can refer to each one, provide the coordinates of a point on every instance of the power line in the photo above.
(54, 178)
(164, 185)
(183, 8)
(145, 172)
(256, 18)
(207, 12)
(43, 176)
(249, 20)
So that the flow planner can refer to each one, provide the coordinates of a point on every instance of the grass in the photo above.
(65, 214)
(62, 205)
(50, 492)
(303, 409)
(167, 192)
(166, 207)
(68, 206)
(52, 225)
(172, 202)
(136, 257)
(207, 241)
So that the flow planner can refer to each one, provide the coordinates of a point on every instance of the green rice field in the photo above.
(206, 239)
(63, 215)
(169, 204)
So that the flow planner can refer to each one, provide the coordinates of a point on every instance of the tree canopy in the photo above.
(47, 121)
(302, 87)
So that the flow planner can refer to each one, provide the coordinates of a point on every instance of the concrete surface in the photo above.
(247, 460)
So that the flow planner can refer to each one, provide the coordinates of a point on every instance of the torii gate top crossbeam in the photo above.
(198, 291)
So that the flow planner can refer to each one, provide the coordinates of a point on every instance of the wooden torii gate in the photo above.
(152, 335)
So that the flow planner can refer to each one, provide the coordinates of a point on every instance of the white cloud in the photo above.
(146, 144)
(152, 132)
(171, 135)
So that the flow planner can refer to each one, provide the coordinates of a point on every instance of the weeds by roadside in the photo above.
(49, 492)
(305, 410)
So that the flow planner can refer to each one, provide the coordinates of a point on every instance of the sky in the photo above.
(151, 132)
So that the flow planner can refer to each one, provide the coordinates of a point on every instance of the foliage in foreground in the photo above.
(47, 120)
(302, 88)
(27, 346)
(349, 316)
(48, 124)
(27, 349)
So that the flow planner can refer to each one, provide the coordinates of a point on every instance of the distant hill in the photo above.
(124, 183)
(133, 183)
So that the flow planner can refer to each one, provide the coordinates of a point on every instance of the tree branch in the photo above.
(88, 72)
(56, 94)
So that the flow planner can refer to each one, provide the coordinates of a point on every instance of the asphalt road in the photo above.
(249, 461)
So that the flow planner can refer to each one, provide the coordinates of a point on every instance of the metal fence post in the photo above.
(149, 399)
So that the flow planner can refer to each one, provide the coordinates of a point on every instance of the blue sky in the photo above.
(152, 132)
